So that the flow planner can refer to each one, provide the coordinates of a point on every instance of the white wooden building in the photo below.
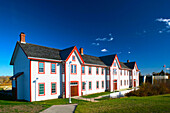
(42, 73)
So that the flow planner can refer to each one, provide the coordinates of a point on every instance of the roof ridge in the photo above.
(108, 55)
(40, 46)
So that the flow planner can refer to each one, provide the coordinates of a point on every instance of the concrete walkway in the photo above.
(87, 99)
(69, 108)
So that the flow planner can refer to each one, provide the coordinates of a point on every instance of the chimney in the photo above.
(22, 37)
(128, 61)
(81, 51)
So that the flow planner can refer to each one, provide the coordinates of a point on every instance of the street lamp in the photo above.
(69, 83)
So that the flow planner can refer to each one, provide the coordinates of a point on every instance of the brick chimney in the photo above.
(81, 51)
(128, 61)
(22, 37)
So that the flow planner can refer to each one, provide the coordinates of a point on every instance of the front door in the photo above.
(115, 85)
(134, 83)
(74, 89)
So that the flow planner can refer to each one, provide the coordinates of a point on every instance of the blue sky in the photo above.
(133, 29)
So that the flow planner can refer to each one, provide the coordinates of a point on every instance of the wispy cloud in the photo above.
(101, 39)
(167, 23)
(104, 50)
(95, 44)
(111, 39)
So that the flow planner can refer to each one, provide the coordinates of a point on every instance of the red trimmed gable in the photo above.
(117, 60)
(75, 49)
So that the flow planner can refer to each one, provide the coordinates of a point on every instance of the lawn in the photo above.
(148, 104)
(96, 95)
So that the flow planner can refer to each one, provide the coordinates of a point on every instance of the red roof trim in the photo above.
(75, 48)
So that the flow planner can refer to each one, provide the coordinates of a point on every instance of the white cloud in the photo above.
(96, 44)
(160, 31)
(101, 39)
(166, 21)
(104, 50)
(129, 52)
(111, 39)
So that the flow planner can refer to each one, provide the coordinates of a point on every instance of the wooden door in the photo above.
(115, 85)
(134, 83)
(74, 90)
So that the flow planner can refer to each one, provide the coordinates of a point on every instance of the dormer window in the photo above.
(73, 58)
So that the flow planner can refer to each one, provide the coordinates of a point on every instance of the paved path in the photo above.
(69, 108)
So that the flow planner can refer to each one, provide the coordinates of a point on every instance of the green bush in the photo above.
(148, 89)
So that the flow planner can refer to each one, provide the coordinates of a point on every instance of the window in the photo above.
(121, 82)
(90, 71)
(108, 84)
(114, 64)
(53, 68)
(73, 58)
(102, 71)
(83, 86)
(90, 85)
(73, 69)
(41, 66)
(53, 88)
(102, 84)
(97, 70)
(41, 87)
(107, 71)
(125, 82)
(120, 72)
(124, 72)
(83, 70)
(97, 85)
(115, 71)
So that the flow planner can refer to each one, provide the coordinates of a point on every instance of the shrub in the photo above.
(148, 89)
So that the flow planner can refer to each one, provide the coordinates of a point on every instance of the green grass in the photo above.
(96, 95)
(148, 104)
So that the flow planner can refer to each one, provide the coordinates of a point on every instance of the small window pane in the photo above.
(41, 89)
(89, 85)
(41, 67)
(97, 84)
(89, 70)
(83, 70)
(53, 68)
(83, 85)
(53, 87)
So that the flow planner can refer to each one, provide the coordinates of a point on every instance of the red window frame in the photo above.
(91, 70)
(38, 68)
(103, 84)
(71, 69)
(120, 72)
(124, 82)
(74, 58)
(96, 70)
(120, 82)
(84, 70)
(51, 88)
(84, 86)
(91, 85)
(96, 84)
(113, 71)
(114, 64)
(55, 68)
(102, 71)
(125, 72)
(39, 90)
